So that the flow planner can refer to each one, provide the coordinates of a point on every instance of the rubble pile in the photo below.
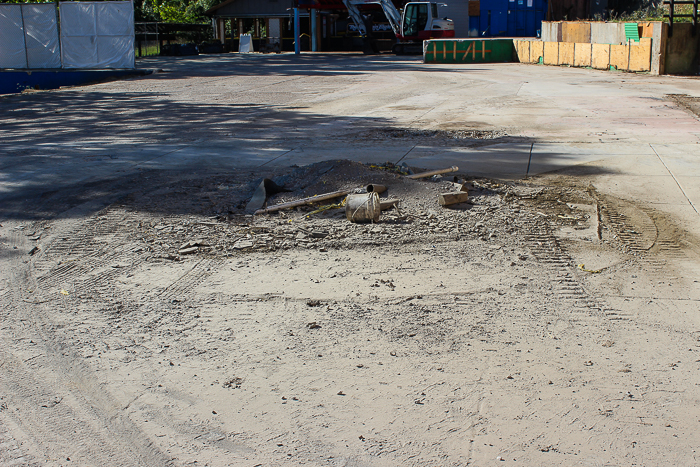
(215, 222)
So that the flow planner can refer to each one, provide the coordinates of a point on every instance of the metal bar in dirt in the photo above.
(527, 172)
(407, 153)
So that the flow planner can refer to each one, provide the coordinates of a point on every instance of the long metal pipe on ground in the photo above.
(454, 168)
(304, 201)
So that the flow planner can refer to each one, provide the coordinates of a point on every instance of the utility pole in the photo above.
(297, 44)
(314, 31)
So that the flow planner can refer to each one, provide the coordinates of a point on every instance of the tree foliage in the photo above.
(166, 11)
(173, 11)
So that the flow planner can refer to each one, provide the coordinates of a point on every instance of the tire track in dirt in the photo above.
(51, 392)
(647, 236)
(11, 454)
(195, 276)
(89, 248)
(635, 228)
(547, 250)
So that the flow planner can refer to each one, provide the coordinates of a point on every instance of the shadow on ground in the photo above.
(234, 64)
(66, 149)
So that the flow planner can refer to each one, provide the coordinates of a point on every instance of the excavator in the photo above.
(419, 21)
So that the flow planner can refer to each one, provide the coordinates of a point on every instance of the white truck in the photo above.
(418, 21)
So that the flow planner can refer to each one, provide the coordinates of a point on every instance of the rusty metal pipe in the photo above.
(378, 189)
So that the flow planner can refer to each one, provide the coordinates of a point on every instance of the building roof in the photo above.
(213, 9)
(250, 8)
(322, 4)
(257, 8)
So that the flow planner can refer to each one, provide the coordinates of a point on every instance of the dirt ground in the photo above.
(506, 328)
(691, 104)
(147, 319)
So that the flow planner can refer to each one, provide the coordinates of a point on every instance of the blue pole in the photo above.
(314, 31)
(297, 44)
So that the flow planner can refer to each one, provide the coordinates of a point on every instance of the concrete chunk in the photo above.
(446, 199)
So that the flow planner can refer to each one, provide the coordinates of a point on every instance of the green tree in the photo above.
(173, 11)
(166, 11)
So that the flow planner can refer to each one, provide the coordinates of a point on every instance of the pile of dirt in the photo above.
(206, 217)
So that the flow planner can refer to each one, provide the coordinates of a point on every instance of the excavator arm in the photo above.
(392, 14)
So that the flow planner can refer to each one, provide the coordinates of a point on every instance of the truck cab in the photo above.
(420, 21)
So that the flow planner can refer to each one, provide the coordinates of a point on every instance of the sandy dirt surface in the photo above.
(147, 320)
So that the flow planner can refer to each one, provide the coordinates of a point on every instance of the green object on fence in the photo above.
(631, 32)
(468, 50)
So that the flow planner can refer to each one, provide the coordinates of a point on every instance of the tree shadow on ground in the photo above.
(320, 64)
(67, 149)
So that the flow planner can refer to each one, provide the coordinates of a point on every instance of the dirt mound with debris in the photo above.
(496, 211)
(214, 223)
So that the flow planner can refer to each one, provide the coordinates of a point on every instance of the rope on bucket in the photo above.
(329, 206)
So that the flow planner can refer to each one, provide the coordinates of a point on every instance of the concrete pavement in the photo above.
(233, 112)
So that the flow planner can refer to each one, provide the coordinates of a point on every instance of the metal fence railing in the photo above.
(169, 38)
(672, 14)
(147, 39)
